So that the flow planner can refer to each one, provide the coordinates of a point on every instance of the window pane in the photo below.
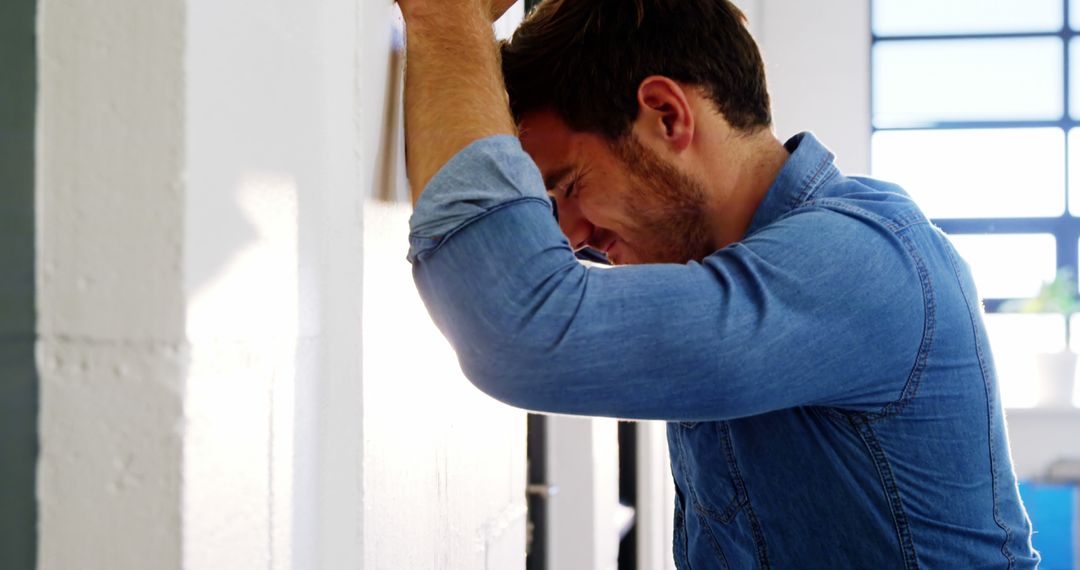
(1017, 342)
(1074, 77)
(1074, 171)
(976, 173)
(1074, 345)
(1074, 334)
(1074, 14)
(921, 17)
(1008, 265)
(921, 83)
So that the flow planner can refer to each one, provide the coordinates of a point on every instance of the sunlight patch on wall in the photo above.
(243, 329)
(256, 292)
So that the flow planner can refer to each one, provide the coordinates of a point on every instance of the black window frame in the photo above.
(1064, 228)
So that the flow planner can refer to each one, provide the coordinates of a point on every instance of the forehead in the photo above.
(546, 137)
(555, 147)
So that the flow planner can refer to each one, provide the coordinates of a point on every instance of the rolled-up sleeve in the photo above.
(486, 175)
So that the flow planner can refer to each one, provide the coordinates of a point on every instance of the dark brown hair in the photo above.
(585, 59)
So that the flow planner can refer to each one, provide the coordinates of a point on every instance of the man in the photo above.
(815, 344)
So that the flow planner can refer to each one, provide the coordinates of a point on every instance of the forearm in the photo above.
(453, 87)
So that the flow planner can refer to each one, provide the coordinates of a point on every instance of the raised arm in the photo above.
(773, 322)
(453, 86)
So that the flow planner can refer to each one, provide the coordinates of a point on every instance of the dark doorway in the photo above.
(538, 492)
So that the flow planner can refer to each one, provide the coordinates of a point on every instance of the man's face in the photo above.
(619, 198)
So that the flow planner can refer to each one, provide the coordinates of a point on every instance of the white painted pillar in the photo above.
(112, 350)
(655, 498)
(236, 373)
(584, 516)
(273, 257)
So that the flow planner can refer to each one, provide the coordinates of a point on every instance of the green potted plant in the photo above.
(1057, 371)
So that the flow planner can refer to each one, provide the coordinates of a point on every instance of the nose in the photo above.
(572, 222)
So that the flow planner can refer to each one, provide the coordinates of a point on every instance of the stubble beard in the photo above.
(667, 205)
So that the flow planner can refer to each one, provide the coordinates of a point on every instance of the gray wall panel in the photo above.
(18, 374)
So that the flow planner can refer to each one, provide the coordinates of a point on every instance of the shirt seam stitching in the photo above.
(713, 541)
(901, 525)
(824, 172)
(897, 228)
(1005, 551)
(740, 487)
(914, 380)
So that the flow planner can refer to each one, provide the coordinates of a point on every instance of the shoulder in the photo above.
(851, 237)
(873, 201)
(847, 212)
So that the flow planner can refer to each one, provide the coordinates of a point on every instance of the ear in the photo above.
(664, 114)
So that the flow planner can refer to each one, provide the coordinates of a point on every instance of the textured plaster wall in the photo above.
(110, 235)
(199, 256)
(236, 372)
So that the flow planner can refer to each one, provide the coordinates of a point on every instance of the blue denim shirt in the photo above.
(827, 381)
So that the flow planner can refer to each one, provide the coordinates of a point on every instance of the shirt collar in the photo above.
(808, 167)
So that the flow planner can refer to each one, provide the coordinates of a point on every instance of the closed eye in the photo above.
(570, 188)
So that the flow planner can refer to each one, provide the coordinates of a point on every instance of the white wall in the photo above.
(112, 355)
(236, 372)
(817, 57)
(1039, 437)
(444, 465)
(273, 256)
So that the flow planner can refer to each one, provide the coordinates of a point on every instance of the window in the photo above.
(976, 113)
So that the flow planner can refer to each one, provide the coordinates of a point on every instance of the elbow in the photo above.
(508, 392)
(516, 380)
(510, 342)
(519, 359)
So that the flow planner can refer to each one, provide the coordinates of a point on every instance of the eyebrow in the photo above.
(553, 180)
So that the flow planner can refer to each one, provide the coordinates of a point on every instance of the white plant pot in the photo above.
(1056, 379)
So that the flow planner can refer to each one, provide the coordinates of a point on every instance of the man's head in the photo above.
(624, 100)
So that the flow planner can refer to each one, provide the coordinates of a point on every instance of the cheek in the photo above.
(607, 209)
